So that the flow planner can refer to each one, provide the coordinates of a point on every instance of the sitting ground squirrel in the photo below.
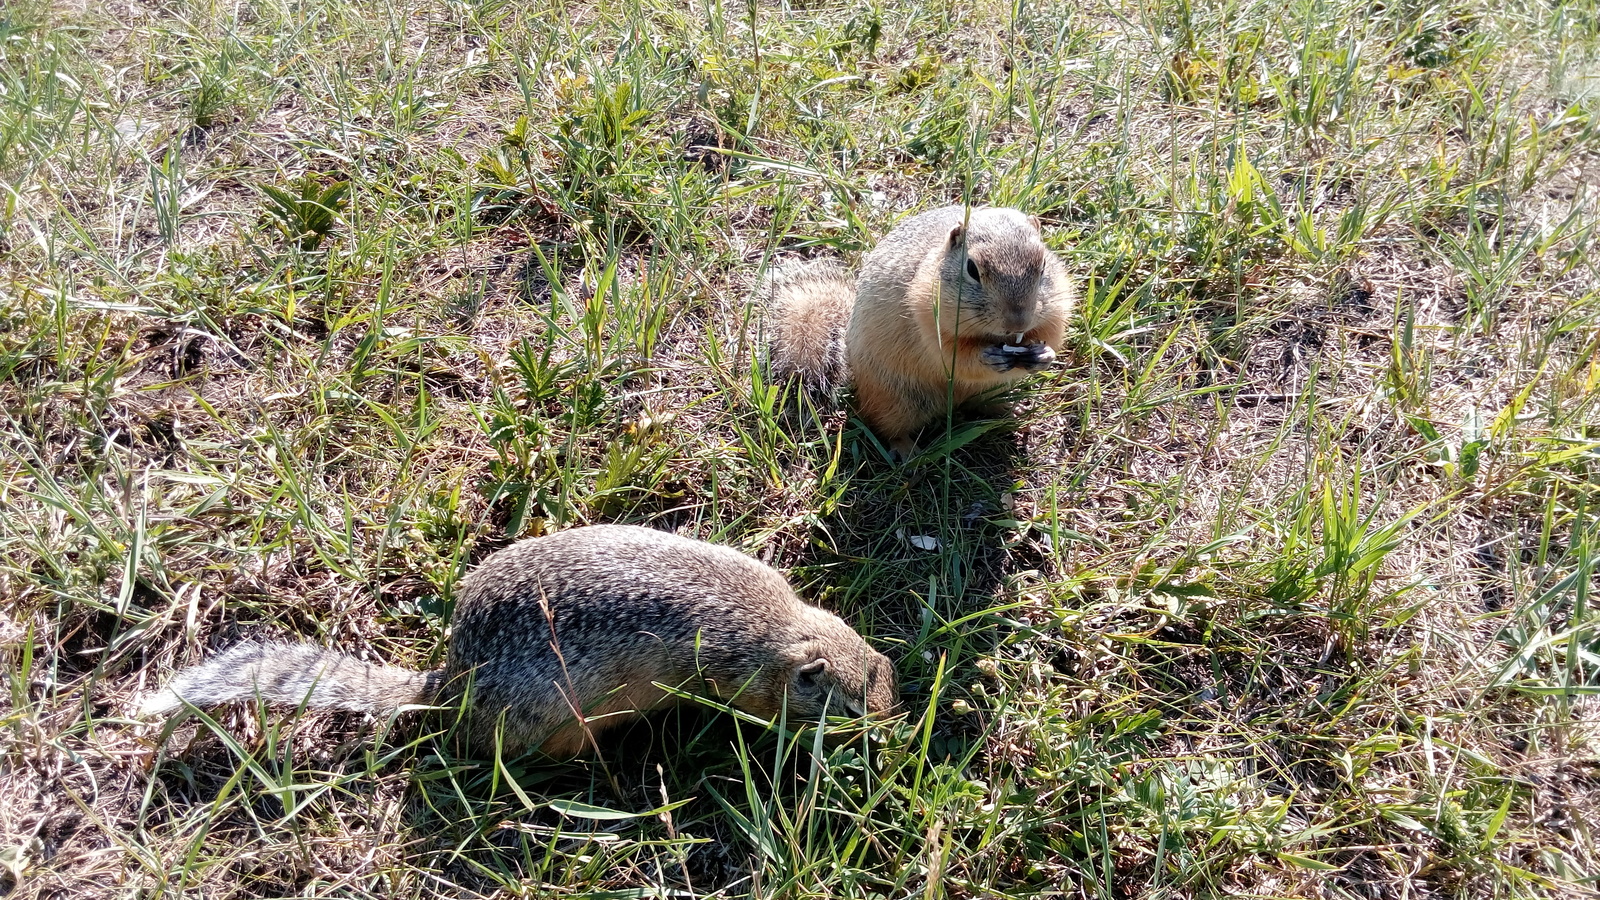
(563, 636)
(949, 306)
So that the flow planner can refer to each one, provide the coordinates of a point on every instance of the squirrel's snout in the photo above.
(1019, 314)
(1015, 324)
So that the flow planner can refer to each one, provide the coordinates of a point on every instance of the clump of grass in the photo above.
(306, 211)
(1282, 585)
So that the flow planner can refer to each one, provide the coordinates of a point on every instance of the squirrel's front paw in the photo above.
(1032, 357)
(1039, 356)
(999, 358)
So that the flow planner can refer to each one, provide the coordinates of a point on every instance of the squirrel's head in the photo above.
(832, 671)
(997, 259)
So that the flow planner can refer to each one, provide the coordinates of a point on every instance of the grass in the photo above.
(1281, 586)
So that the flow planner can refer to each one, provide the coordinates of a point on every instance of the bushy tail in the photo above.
(807, 310)
(293, 674)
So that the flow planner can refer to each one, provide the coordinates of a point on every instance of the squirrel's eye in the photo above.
(972, 271)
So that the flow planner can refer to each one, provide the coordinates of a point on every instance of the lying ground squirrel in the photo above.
(949, 306)
(586, 621)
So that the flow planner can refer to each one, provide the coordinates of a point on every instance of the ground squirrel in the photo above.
(629, 608)
(949, 306)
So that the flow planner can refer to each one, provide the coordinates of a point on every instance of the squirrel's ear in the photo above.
(811, 670)
(957, 235)
(1034, 220)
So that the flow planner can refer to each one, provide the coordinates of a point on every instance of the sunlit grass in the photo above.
(1280, 586)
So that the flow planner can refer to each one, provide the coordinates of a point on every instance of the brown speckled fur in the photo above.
(808, 307)
(631, 608)
(922, 333)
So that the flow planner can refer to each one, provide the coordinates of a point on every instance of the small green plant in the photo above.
(212, 93)
(1490, 259)
(1437, 34)
(610, 156)
(935, 137)
(506, 174)
(305, 211)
